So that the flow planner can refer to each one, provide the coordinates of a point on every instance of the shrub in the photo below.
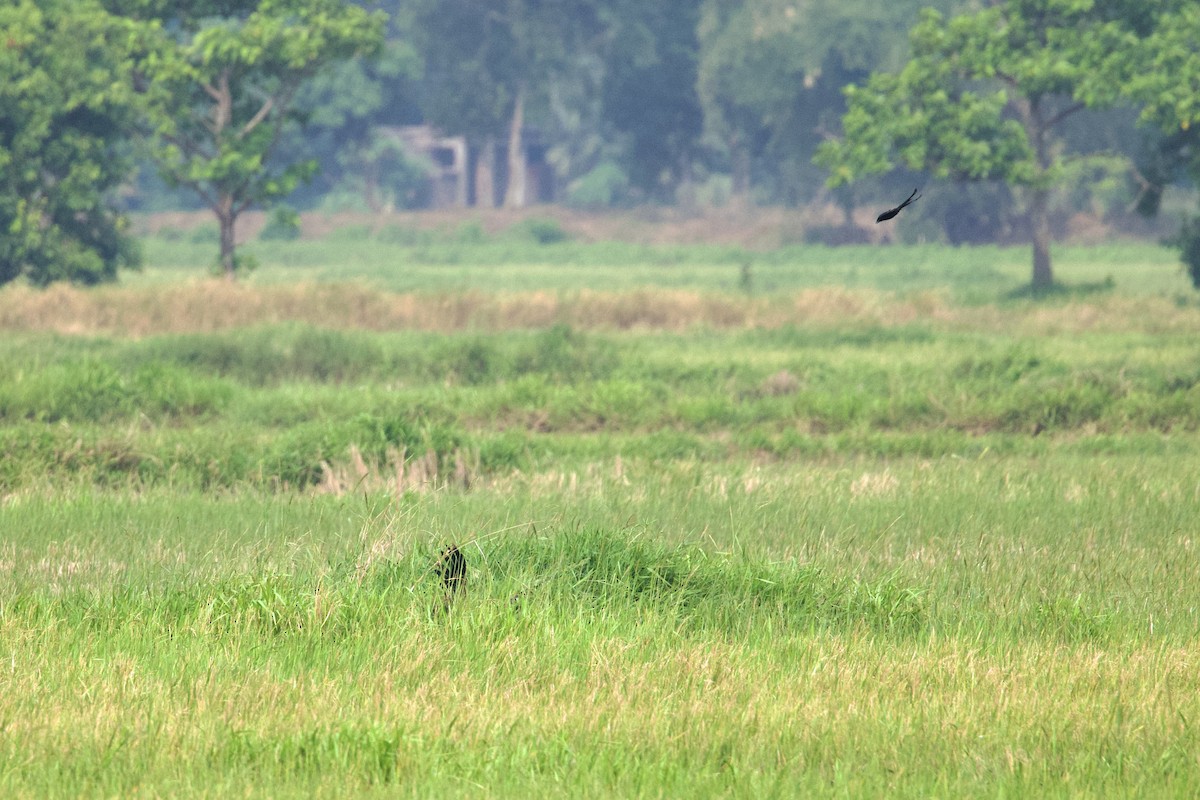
(542, 231)
(470, 232)
(282, 226)
(604, 186)
(565, 353)
(1188, 242)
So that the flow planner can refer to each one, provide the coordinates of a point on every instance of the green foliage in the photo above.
(981, 99)
(269, 356)
(706, 593)
(95, 391)
(343, 108)
(770, 77)
(876, 599)
(378, 174)
(282, 225)
(874, 513)
(466, 257)
(67, 108)
(478, 62)
(648, 95)
(271, 406)
(542, 231)
(605, 186)
(1152, 63)
(1150, 59)
(1188, 242)
(222, 90)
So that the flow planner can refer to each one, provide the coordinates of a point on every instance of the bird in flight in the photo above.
(891, 212)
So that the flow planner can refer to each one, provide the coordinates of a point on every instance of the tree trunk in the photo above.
(370, 176)
(515, 194)
(227, 219)
(485, 175)
(1037, 129)
(1043, 276)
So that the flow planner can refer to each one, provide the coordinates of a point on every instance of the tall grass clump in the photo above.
(602, 570)
(93, 390)
(575, 576)
(269, 355)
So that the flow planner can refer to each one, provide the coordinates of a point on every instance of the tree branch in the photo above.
(1066, 112)
(257, 118)
(222, 112)
(285, 95)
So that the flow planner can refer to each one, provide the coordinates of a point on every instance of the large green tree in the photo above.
(982, 98)
(65, 109)
(222, 78)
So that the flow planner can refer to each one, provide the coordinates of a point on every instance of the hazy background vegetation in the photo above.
(597, 104)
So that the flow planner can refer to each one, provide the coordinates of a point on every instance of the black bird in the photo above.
(891, 212)
(451, 567)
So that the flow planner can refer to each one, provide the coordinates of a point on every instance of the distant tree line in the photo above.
(1023, 108)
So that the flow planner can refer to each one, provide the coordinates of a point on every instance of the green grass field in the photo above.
(400, 259)
(846, 531)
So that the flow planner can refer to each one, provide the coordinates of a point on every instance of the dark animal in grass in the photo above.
(891, 212)
(451, 567)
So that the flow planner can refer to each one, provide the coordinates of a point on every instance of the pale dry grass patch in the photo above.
(780, 384)
(215, 305)
(400, 473)
(843, 694)
(59, 565)
(874, 484)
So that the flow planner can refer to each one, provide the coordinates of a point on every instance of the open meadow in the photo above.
(791, 522)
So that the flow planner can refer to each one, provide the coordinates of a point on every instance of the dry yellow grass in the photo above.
(205, 306)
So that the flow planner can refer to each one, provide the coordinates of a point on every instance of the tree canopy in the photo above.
(221, 89)
(492, 65)
(648, 93)
(1157, 67)
(238, 101)
(771, 72)
(66, 113)
(982, 98)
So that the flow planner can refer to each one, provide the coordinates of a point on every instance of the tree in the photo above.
(1149, 56)
(492, 66)
(771, 74)
(981, 99)
(65, 114)
(649, 91)
(222, 89)
(344, 108)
